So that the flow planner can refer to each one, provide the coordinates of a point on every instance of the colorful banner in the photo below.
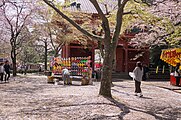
(78, 66)
(171, 56)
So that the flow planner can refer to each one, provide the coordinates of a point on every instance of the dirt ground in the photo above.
(30, 97)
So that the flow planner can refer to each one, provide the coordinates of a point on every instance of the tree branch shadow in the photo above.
(173, 113)
(121, 86)
(124, 109)
(121, 92)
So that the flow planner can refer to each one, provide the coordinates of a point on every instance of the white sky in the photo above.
(61, 0)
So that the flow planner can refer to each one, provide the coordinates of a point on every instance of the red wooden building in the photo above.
(126, 54)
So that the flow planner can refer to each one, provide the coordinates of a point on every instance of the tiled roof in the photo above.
(87, 7)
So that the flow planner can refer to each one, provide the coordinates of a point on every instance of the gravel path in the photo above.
(31, 98)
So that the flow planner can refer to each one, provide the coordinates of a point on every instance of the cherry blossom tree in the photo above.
(163, 27)
(42, 41)
(58, 30)
(15, 16)
(46, 32)
(5, 47)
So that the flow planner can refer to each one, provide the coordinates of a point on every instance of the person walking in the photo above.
(138, 75)
(7, 70)
(1, 71)
(177, 74)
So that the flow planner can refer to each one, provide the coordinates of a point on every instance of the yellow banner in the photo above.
(171, 56)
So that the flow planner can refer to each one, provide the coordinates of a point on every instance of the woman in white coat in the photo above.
(138, 74)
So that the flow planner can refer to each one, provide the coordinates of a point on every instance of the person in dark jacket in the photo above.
(7, 70)
(177, 74)
(145, 72)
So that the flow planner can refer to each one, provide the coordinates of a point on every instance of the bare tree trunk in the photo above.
(13, 57)
(105, 88)
(46, 54)
(14, 66)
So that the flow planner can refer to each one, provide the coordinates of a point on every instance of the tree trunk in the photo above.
(105, 89)
(14, 66)
(13, 57)
(46, 54)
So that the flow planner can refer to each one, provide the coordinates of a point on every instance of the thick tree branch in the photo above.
(100, 12)
(119, 3)
(105, 22)
(178, 23)
(130, 12)
(51, 38)
(21, 27)
(94, 37)
(3, 3)
(143, 1)
(9, 22)
(58, 48)
(119, 15)
(124, 3)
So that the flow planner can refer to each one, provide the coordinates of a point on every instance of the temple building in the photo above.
(126, 55)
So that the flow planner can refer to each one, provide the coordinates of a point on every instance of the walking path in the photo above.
(30, 97)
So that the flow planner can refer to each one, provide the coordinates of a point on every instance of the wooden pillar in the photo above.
(148, 56)
(63, 52)
(120, 61)
(93, 57)
(67, 51)
(126, 57)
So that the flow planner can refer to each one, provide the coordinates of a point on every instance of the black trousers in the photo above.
(1, 76)
(177, 80)
(7, 76)
(137, 87)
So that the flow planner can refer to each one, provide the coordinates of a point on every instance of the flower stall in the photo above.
(172, 57)
(79, 68)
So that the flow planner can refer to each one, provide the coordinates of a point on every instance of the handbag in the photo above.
(131, 74)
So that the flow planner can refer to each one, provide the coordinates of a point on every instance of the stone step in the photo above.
(120, 75)
(159, 76)
(152, 76)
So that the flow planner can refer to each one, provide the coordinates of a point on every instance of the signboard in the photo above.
(171, 56)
